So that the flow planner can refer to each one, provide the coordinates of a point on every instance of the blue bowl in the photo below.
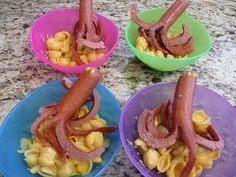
(18, 123)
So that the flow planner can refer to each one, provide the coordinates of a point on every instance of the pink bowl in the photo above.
(64, 20)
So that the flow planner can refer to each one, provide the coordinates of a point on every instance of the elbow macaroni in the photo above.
(59, 50)
(172, 160)
(45, 160)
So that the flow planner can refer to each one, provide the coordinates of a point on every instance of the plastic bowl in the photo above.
(18, 123)
(63, 20)
(221, 112)
(202, 41)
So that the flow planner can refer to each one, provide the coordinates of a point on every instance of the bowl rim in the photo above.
(55, 82)
(37, 53)
(163, 58)
(124, 108)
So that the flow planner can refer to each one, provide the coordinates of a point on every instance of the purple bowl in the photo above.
(63, 20)
(223, 118)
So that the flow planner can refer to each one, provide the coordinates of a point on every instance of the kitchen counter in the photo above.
(21, 72)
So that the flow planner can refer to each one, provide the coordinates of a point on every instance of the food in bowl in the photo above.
(68, 137)
(59, 50)
(84, 45)
(142, 45)
(174, 140)
(156, 34)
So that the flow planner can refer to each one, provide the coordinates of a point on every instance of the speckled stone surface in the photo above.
(21, 72)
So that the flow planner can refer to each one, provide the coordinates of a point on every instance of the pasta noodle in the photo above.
(141, 144)
(98, 122)
(66, 169)
(32, 159)
(141, 43)
(204, 158)
(150, 158)
(48, 171)
(164, 162)
(164, 151)
(198, 169)
(173, 159)
(62, 36)
(84, 167)
(34, 169)
(81, 146)
(24, 145)
(94, 140)
(97, 159)
(46, 162)
(86, 126)
(163, 129)
(200, 121)
(106, 142)
(176, 169)
(47, 157)
(59, 50)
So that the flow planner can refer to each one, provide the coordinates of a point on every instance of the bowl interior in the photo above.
(202, 41)
(221, 112)
(18, 123)
(63, 20)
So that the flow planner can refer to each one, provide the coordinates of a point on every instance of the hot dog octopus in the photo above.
(177, 118)
(88, 31)
(156, 33)
(60, 120)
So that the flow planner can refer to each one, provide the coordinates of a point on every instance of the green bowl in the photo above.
(202, 41)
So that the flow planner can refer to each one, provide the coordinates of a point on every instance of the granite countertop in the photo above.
(21, 71)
